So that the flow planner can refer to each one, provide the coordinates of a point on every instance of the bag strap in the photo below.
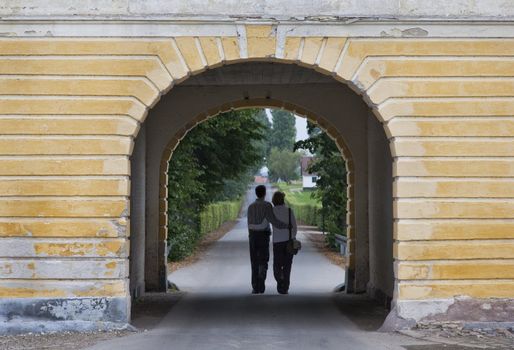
(290, 227)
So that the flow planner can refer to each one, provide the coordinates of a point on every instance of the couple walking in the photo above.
(260, 214)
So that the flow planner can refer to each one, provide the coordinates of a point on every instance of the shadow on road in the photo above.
(149, 310)
(297, 311)
(364, 313)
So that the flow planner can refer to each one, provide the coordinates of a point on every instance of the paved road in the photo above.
(218, 311)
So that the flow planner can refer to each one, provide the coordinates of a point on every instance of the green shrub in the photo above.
(215, 214)
(306, 208)
(186, 235)
(307, 214)
(309, 211)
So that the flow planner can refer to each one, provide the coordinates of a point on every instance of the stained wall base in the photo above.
(23, 315)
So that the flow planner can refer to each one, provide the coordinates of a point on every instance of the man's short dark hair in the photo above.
(260, 191)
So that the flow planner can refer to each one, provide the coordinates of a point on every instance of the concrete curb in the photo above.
(24, 326)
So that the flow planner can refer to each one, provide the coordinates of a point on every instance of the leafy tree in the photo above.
(233, 188)
(262, 145)
(213, 162)
(283, 132)
(331, 184)
(283, 164)
(226, 148)
(185, 195)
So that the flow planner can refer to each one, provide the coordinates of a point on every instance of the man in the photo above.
(260, 215)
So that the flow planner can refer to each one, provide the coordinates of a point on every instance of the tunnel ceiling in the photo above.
(258, 73)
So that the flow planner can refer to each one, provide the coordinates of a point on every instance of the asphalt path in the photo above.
(218, 311)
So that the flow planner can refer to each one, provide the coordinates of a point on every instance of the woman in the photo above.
(282, 260)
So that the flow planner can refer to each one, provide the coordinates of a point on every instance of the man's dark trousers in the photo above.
(259, 257)
(282, 262)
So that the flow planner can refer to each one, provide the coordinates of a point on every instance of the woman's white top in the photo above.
(282, 213)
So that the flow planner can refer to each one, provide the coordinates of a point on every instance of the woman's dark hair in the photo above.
(278, 198)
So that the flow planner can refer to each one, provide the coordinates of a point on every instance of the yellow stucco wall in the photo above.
(71, 107)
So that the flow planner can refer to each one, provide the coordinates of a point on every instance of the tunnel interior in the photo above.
(323, 97)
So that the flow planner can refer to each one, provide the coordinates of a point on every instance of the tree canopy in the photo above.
(262, 144)
(283, 165)
(282, 162)
(331, 186)
(283, 131)
(215, 161)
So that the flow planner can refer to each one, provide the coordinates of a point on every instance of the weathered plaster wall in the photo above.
(271, 9)
(71, 107)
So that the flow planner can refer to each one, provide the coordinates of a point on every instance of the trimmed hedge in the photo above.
(306, 213)
(187, 234)
(215, 214)
(309, 212)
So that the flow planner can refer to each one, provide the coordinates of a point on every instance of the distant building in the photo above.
(260, 179)
(264, 171)
(308, 179)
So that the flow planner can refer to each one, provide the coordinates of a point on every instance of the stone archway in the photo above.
(190, 103)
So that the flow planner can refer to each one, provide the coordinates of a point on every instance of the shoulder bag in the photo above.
(293, 245)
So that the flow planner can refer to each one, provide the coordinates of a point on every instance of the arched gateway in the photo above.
(72, 105)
